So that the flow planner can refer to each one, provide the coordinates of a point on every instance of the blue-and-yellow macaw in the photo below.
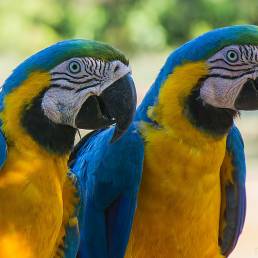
(183, 142)
(72, 84)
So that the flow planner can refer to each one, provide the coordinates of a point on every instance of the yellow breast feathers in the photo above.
(179, 201)
(31, 184)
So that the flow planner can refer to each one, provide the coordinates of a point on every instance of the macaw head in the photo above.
(211, 78)
(72, 84)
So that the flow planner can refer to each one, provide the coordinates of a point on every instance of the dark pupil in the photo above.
(74, 67)
(232, 55)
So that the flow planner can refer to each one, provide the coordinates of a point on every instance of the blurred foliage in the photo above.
(131, 25)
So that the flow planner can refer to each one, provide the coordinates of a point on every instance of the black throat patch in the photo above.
(54, 137)
(214, 121)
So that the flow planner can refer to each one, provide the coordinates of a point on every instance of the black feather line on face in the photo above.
(212, 120)
(55, 138)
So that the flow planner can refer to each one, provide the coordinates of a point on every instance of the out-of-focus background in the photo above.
(147, 30)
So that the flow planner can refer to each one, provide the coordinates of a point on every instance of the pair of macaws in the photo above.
(181, 158)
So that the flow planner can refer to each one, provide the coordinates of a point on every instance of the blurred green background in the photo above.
(147, 30)
(132, 25)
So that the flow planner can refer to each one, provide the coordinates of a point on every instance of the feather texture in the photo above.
(186, 202)
(233, 192)
(110, 175)
(3, 149)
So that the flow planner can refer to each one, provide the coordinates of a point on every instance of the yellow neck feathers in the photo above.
(36, 197)
(14, 104)
(18, 140)
(169, 111)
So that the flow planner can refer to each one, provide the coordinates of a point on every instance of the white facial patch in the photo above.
(73, 81)
(229, 70)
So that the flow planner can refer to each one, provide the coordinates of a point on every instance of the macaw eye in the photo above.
(74, 67)
(232, 56)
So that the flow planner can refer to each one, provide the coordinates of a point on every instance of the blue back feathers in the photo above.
(110, 176)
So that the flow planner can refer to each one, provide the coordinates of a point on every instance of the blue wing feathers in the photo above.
(235, 193)
(110, 175)
(3, 150)
(119, 222)
(93, 232)
(235, 146)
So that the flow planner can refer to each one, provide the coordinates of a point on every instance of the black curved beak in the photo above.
(115, 105)
(247, 99)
